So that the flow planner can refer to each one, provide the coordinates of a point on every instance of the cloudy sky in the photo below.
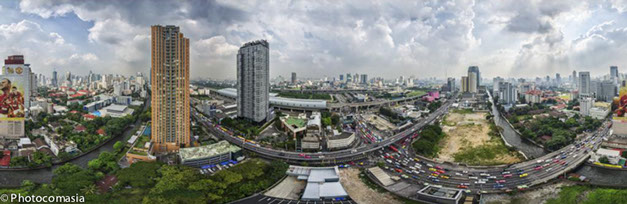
(508, 38)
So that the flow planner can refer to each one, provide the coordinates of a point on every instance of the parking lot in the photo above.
(211, 169)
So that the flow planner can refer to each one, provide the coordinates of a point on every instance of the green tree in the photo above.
(118, 146)
(89, 189)
(139, 174)
(69, 179)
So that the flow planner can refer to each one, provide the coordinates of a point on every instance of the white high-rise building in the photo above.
(253, 82)
(584, 84)
(472, 82)
(585, 104)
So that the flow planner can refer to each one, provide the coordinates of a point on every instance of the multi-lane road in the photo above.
(421, 172)
(320, 157)
(424, 172)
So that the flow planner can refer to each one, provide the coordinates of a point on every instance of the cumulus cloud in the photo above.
(42, 49)
(316, 38)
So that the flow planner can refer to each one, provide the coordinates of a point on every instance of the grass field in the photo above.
(589, 195)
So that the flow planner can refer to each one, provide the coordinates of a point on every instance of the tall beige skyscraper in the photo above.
(170, 89)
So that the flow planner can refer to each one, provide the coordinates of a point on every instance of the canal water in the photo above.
(15, 178)
(513, 138)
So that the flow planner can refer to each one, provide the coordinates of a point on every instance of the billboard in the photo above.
(11, 98)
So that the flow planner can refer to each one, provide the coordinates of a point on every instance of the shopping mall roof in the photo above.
(193, 153)
(322, 182)
(318, 191)
(281, 101)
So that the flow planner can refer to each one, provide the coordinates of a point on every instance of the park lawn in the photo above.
(319, 96)
(416, 93)
(589, 195)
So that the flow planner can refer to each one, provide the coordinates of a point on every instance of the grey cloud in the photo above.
(528, 24)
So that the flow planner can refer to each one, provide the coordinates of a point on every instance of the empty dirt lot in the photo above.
(466, 130)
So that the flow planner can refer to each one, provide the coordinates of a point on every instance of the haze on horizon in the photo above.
(325, 38)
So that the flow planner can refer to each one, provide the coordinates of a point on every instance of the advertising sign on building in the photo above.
(11, 98)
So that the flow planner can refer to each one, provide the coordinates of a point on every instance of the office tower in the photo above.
(364, 78)
(508, 94)
(55, 82)
(575, 81)
(584, 84)
(558, 78)
(341, 77)
(356, 78)
(606, 91)
(465, 84)
(293, 77)
(495, 84)
(68, 76)
(170, 89)
(450, 83)
(475, 69)
(472, 82)
(614, 74)
(253, 86)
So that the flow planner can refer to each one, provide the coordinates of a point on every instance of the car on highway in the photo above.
(549, 169)
(398, 170)
(501, 181)
(498, 186)
(444, 176)
(524, 175)
(507, 175)
(462, 186)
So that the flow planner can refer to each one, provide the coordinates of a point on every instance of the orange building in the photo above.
(170, 89)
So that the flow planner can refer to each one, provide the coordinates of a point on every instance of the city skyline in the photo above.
(281, 101)
(542, 38)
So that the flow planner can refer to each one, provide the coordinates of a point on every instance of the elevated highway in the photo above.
(528, 173)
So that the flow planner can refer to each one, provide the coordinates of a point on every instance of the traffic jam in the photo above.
(514, 177)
